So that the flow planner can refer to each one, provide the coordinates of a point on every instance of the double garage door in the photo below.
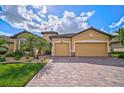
(91, 49)
(81, 49)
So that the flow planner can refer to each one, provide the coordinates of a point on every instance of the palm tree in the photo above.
(120, 35)
(41, 45)
(28, 43)
(32, 43)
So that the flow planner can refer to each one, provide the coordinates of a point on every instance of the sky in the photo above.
(61, 18)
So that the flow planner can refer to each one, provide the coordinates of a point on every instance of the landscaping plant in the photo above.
(120, 35)
(2, 59)
(34, 43)
(3, 49)
(121, 56)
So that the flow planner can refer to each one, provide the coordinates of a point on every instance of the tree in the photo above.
(120, 35)
(28, 43)
(41, 45)
(33, 43)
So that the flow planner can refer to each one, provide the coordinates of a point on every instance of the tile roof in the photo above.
(73, 34)
(49, 32)
(16, 35)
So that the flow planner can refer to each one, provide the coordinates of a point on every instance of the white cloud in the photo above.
(116, 24)
(85, 15)
(22, 17)
(5, 33)
(70, 22)
(103, 29)
(42, 9)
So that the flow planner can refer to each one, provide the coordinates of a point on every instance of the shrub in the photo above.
(117, 53)
(10, 54)
(17, 57)
(3, 50)
(14, 54)
(121, 56)
(18, 53)
(47, 52)
(30, 60)
(2, 59)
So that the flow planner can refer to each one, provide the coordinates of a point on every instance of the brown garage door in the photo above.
(61, 49)
(91, 49)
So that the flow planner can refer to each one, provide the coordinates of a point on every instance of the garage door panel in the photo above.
(61, 49)
(91, 49)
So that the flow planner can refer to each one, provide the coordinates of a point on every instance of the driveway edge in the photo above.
(50, 61)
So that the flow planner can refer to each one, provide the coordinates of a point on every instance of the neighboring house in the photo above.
(14, 42)
(116, 46)
(18, 40)
(9, 42)
(89, 42)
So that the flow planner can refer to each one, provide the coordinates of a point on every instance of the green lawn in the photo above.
(118, 54)
(18, 74)
(115, 55)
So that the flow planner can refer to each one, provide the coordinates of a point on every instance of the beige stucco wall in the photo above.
(61, 40)
(46, 36)
(89, 35)
(16, 44)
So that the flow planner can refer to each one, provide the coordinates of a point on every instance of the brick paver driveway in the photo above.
(77, 71)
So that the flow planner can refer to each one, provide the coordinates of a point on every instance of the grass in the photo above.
(115, 55)
(18, 74)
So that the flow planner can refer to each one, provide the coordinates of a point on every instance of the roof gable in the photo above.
(23, 32)
(94, 29)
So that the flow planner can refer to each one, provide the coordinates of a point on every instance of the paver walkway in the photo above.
(78, 71)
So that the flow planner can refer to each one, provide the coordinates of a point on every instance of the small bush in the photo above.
(3, 50)
(2, 59)
(17, 57)
(48, 52)
(121, 56)
(14, 54)
(117, 53)
(10, 54)
(30, 60)
(18, 53)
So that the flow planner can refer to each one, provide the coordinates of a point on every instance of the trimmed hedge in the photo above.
(121, 56)
(117, 52)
